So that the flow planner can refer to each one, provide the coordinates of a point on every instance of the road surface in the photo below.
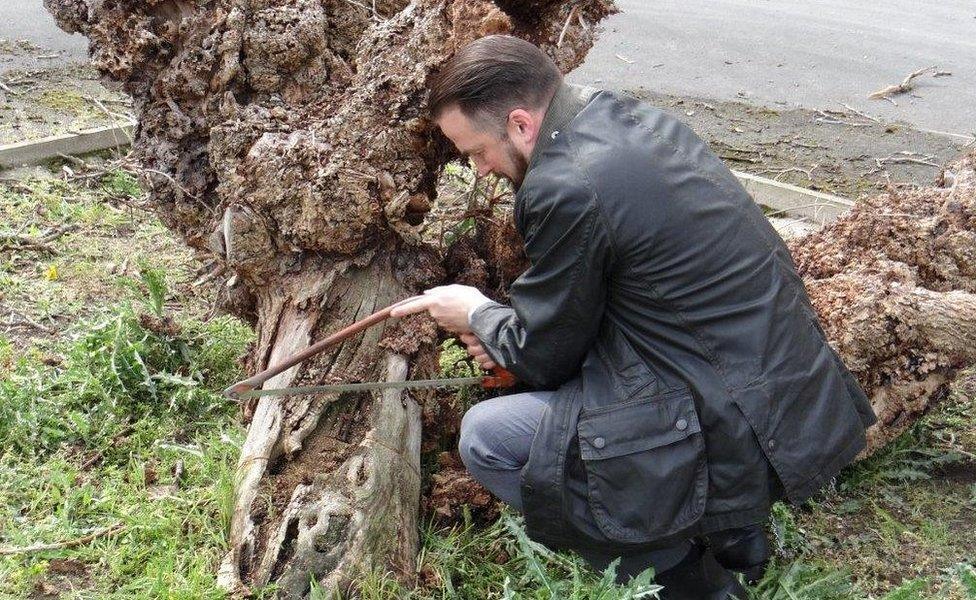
(27, 20)
(796, 53)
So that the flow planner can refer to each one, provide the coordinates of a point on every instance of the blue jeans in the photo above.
(496, 436)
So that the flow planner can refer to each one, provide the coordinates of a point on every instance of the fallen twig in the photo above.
(859, 113)
(562, 34)
(907, 157)
(743, 159)
(900, 88)
(827, 116)
(67, 544)
(15, 241)
(25, 320)
(91, 461)
(780, 172)
(625, 59)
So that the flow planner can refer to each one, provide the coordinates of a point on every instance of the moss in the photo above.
(64, 100)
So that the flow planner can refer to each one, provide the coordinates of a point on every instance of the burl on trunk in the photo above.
(287, 139)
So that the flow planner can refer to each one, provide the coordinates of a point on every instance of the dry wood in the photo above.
(14, 241)
(900, 88)
(859, 113)
(105, 531)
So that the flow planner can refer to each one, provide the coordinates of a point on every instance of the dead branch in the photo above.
(105, 531)
(827, 117)
(780, 172)
(905, 156)
(901, 88)
(14, 241)
(29, 322)
(562, 34)
(860, 114)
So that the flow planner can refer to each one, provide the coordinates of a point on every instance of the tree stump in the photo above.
(288, 140)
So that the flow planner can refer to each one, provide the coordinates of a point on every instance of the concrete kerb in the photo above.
(794, 201)
(32, 152)
(787, 200)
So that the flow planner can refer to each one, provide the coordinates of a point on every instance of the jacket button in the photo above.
(599, 443)
(681, 425)
(771, 444)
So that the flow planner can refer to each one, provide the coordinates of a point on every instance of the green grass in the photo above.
(97, 438)
(468, 562)
(106, 250)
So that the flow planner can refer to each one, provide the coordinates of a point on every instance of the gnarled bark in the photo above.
(894, 283)
(288, 140)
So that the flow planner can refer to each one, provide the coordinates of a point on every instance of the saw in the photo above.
(250, 387)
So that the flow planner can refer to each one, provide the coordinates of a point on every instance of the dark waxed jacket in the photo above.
(693, 376)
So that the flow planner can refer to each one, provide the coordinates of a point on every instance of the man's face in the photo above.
(491, 151)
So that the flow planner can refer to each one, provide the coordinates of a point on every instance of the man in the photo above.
(684, 383)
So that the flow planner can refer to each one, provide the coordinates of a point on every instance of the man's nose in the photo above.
(481, 168)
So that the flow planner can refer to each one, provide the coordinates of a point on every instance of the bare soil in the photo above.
(836, 151)
(38, 101)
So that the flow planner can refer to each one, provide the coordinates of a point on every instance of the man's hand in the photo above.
(449, 305)
(476, 350)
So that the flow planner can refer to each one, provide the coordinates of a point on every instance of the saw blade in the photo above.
(365, 386)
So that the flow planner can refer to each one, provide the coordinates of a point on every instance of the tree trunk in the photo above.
(894, 283)
(287, 139)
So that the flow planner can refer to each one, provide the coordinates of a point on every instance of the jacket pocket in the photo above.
(646, 472)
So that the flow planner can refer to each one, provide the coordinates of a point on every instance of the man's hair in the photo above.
(492, 76)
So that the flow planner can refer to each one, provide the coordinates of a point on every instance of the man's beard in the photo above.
(517, 163)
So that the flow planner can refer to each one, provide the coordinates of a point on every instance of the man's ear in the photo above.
(521, 125)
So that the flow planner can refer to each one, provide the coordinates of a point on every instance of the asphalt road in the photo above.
(797, 53)
(27, 20)
(782, 53)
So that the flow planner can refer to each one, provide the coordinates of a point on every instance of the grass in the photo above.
(106, 245)
(117, 419)
(127, 427)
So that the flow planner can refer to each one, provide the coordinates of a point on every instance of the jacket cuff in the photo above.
(474, 308)
(484, 321)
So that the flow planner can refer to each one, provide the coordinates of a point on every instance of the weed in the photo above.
(120, 184)
(802, 580)
(910, 590)
(96, 439)
(790, 540)
(155, 282)
(908, 458)
(967, 579)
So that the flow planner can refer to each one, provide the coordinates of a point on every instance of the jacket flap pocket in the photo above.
(637, 425)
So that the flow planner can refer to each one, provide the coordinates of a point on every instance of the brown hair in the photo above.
(492, 76)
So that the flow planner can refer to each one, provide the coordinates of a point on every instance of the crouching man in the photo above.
(683, 380)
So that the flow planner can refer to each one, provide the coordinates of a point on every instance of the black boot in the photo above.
(744, 549)
(699, 577)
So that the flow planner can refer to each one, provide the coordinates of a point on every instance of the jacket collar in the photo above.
(566, 103)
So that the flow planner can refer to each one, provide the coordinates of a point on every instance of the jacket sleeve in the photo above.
(557, 304)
